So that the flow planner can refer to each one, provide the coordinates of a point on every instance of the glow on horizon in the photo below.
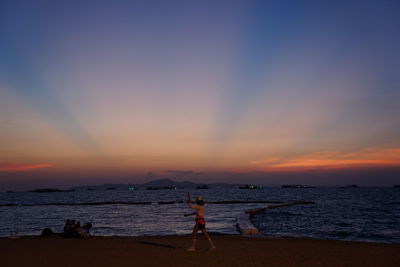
(23, 168)
(332, 160)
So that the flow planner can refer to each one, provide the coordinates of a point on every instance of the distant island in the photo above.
(160, 184)
(168, 184)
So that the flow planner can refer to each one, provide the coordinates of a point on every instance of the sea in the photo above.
(369, 214)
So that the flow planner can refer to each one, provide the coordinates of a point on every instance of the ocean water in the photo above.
(369, 214)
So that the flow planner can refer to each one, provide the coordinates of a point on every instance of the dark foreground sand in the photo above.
(170, 251)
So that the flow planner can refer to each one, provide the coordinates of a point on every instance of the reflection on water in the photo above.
(365, 214)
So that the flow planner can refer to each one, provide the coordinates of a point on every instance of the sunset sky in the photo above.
(266, 92)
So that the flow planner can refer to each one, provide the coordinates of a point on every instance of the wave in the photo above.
(77, 204)
(130, 203)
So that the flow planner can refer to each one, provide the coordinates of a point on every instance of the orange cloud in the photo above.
(23, 167)
(332, 160)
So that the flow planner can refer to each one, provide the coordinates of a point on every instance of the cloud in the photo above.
(23, 167)
(330, 160)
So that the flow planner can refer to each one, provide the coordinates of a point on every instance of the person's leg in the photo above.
(194, 233)
(212, 246)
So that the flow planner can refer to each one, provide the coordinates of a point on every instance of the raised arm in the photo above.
(190, 201)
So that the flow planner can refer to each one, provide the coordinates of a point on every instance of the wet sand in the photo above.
(171, 251)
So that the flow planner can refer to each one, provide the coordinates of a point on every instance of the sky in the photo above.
(267, 92)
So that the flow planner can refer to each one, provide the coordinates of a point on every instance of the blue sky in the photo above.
(120, 88)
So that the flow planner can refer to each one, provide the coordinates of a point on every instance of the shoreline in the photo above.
(213, 234)
(232, 250)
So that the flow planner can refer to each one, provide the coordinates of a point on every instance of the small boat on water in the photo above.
(296, 186)
(162, 187)
(247, 186)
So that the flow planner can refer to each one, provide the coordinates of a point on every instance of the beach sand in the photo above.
(171, 251)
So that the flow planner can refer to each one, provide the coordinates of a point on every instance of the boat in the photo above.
(247, 186)
(296, 186)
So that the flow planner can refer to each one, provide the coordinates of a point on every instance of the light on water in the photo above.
(362, 214)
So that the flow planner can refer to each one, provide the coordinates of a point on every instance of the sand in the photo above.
(170, 251)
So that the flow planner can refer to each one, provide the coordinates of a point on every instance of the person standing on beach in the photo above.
(200, 223)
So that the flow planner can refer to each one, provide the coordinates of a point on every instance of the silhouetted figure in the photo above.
(84, 231)
(200, 223)
(67, 226)
(72, 229)
(47, 232)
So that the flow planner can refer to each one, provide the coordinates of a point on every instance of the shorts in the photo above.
(200, 223)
